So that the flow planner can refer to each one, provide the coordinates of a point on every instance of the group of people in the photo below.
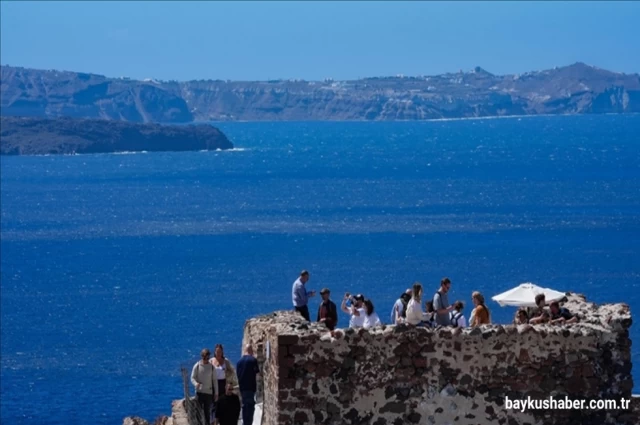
(216, 383)
(408, 308)
(556, 315)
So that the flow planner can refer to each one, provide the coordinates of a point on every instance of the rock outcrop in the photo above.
(574, 89)
(37, 136)
(403, 375)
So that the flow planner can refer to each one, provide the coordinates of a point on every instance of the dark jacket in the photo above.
(332, 314)
(228, 409)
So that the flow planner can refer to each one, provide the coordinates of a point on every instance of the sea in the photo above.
(117, 269)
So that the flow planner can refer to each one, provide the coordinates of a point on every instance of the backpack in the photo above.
(454, 318)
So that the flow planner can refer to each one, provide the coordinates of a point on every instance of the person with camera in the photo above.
(354, 306)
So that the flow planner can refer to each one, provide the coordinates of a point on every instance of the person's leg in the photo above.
(207, 408)
(248, 407)
(203, 402)
(305, 313)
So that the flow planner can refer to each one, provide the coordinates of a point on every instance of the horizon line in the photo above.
(327, 79)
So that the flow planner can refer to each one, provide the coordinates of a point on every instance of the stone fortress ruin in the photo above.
(393, 375)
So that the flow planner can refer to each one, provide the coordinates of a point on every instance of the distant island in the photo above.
(574, 89)
(41, 136)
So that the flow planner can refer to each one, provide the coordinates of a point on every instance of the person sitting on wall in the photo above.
(522, 318)
(415, 315)
(400, 307)
(371, 318)
(327, 312)
(457, 318)
(356, 310)
(228, 407)
(561, 315)
(539, 314)
(480, 314)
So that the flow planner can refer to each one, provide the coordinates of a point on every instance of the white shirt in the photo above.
(414, 312)
(396, 311)
(462, 322)
(220, 370)
(358, 321)
(371, 320)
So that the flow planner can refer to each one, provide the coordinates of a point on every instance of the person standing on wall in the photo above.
(441, 303)
(202, 378)
(300, 296)
(248, 370)
(327, 311)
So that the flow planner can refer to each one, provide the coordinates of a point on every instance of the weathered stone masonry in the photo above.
(400, 375)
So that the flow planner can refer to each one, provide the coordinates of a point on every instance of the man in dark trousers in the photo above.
(327, 312)
(300, 296)
(247, 370)
(228, 407)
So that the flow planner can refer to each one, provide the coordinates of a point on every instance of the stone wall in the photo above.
(402, 375)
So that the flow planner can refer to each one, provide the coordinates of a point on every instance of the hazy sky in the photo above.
(315, 40)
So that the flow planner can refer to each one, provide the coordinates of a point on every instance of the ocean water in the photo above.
(117, 269)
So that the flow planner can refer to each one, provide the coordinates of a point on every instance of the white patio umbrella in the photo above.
(524, 295)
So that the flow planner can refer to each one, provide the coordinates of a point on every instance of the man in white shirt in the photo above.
(356, 310)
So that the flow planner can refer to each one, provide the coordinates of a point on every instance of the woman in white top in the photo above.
(371, 318)
(415, 315)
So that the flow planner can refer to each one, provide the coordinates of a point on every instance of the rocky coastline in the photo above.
(574, 89)
(42, 136)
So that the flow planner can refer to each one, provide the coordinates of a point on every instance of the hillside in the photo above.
(574, 89)
(38, 136)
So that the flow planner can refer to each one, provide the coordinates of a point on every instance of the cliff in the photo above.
(574, 89)
(37, 136)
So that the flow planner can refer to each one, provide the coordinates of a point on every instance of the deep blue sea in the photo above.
(119, 268)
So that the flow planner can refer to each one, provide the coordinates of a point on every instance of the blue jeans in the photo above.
(248, 406)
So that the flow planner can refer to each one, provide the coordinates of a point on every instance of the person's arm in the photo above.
(344, 307)
(319, 310)
(574, 319)
(194, 377)
(472, 319)
(440, 309)
(396, 314)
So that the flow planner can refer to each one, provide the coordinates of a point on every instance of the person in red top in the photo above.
(327, 312)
